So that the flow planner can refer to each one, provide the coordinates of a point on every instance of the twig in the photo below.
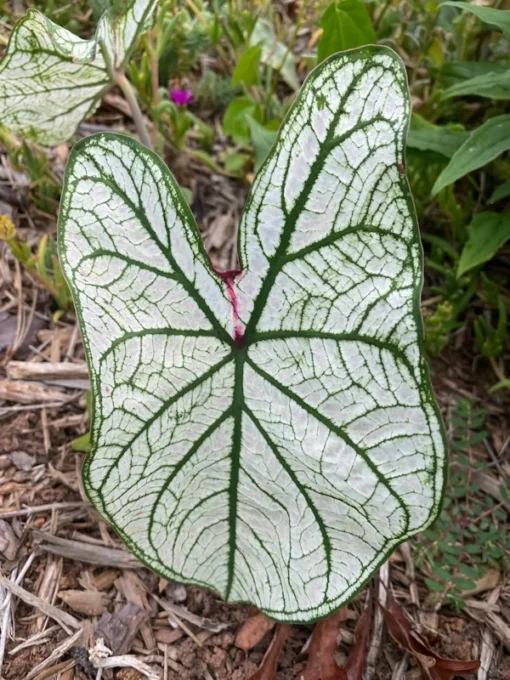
(6, 604)
(91, 554)
(183, 613)
(375, 644)
(59, 651)
(34, 510)
(37, 639)
(127, 661)
(486, 654)
(31, 370)
(67, 621)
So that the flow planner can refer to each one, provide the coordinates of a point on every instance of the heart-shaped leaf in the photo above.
(269, 433)
(50, 79)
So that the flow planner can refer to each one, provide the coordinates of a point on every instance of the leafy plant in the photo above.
(50, 80)
(467, 538)
(488, 231)
(345, 24)
(43, 265)
(268, 432)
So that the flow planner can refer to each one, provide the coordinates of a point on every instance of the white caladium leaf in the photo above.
(269, 433)
(50, 79)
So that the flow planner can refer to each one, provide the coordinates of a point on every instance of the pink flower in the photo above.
(181, 97)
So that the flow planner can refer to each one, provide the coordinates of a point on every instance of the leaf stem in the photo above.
(118, 77)
(128, 92)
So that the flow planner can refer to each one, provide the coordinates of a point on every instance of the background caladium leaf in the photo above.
(50, 79)
(270, 434)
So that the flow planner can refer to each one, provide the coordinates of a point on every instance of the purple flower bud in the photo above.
(181, 97)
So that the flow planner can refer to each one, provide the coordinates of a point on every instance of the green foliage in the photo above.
(490, 85)
(468, 538)
(495, 17)
(43, 263)
(345, 24)
(247, 70)
(488, 231)
(482, 146)
(236, 119)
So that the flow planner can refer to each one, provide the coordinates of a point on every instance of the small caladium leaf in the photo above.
(50, 79)
(269, 433)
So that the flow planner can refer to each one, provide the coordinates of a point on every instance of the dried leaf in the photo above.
(253, 630)
(433, 666)
(269, 663)
(321, 661)
(88, 602)
(355, 666)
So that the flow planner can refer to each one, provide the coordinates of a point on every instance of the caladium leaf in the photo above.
(50, 79)
(269, 433)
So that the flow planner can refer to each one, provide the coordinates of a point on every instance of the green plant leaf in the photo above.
(262, 139)
(483, 145)
(434, 586)
(503, 191)
(428, 137)
(454, 72)
(235, 119)
(345, 24)
(247, 69)
(269, 433)
(499, 18)
(487, 232)
(274, 53)
(490, 85)
(82, 443)
(50, 80)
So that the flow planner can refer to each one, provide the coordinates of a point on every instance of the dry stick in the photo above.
(65, 620)
(486, 654)
(6, 605)
(56, 654)
(382, 596)
(31, 370)
(34, 510)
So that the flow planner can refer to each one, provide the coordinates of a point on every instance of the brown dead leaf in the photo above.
(269, 663)
(253, 630)
(321, 660)
(355, 666)
(434, 667)
(88, 602)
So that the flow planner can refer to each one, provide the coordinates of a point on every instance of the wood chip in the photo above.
(118, 630)
(253, 631)
(134, 591)
(88, 602)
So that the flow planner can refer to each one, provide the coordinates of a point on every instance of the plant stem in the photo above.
(118, 78)
(136, 112)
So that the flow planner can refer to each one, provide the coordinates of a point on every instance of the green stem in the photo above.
(136, 112)
(118, 78)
